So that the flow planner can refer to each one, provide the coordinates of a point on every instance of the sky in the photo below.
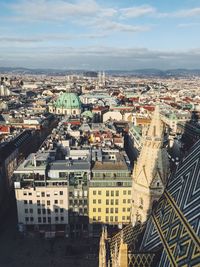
(100, 34)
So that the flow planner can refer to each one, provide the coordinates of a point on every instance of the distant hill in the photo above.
(139, 72)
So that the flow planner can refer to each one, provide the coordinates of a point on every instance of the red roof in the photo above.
(4, 129)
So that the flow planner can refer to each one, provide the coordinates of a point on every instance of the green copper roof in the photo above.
(68, 101)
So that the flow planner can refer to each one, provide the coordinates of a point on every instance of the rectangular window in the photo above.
(99, 193)
(117, 193)
(49, 219)
(39, 211)
(111, 210)
(30, 202)
(56, 210)
(94, 209)
(116, 219)
(129, 192)
(124, 201)
(31, 219)
(99, 209)
(94, 201)
(116, 210)
(30, 194)
(99, 201)
(43, 211)
(48, 202)
(31, 210)
(107, 201)
(48, 211)
(43, 194)
(61, 193)
(25, 202)
(25, 193)
(39, 219)
(112, 202)
(44, 220)
(107, 210)
(124, 209)
(55, 201)
(116, 202)
(107, 193)
(61, 210)
(124, 192)
(26, 210)
(27, 219)
(48, 194)
(111, 218)
(99, 218)
(55, 193)
(94, 193)
(107, 219)
(37, 194)
(129, 201)
(38, 202)
(94, 218)
(61, 219)
(56, 219)
(112, 193)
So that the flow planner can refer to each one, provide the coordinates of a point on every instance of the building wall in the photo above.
(110, 205)
(44, 203)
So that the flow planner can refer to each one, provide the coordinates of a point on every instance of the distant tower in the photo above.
(103, 78)
(150, 172)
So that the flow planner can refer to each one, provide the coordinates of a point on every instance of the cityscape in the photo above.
(99, 133)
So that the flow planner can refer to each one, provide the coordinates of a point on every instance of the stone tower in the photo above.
(150, 171)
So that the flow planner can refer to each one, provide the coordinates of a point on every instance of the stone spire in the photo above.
(150, 171)
(102, 248)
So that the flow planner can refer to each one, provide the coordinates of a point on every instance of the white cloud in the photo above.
(133, 12)
(184, 13)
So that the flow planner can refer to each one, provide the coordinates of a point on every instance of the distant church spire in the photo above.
(150, 171)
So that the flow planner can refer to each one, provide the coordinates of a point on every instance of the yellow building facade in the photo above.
(110, 205)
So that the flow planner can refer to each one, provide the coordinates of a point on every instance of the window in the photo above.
(99, 218)
(99, 193)
(48, 202)
(107, 201)
(116, 219)
(117, 193)
(107, 210)
(43, 211)
(107, 219)
(31, 219)
(116, 210)
(62, 219)
(94, 218)
(99, 209)
(26, 210)
(48, 211)
(94, 193)
(39, 219)
(27, 219)
(38, 202)
(37, 194)
(56, 219)
(116, 202)
(128, 209)
(99, 201)
(49, 219)
(128, 218)
(129, 201)
(55, 193)
(129, 192)
(111, 218)
(124, 201)
(124, 192)
(30, 194)
(107, 193)
(61, 210)
(123, 218)
(111, 210)
(124, 209)
(85, 201)
(55, 201)
(30, 202)
(56, 210)
(94, 201)
(61, 193)
(48, 194)
(94, 209)
(39, 211)
(85, 210)
(31, 210)
(112, 202)
(44, 220)
(25, 202)
(25, 194)
(43, 194)
(112, 193)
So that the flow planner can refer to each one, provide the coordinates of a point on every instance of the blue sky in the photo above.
(100, 34)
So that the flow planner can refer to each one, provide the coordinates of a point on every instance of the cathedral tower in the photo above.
(150, 172)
